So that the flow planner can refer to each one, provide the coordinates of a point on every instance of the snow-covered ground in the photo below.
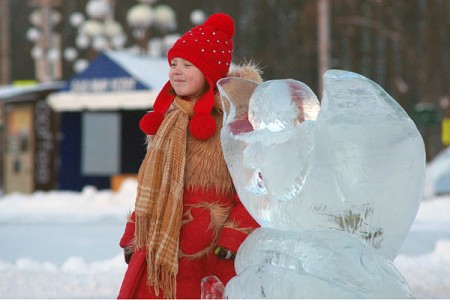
(65, 245)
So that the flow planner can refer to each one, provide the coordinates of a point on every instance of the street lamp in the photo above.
(96, 33)
(150, 26)
(46, 51)
(197, 16)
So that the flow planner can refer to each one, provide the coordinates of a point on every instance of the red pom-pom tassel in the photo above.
(202, 126)
(150, 122)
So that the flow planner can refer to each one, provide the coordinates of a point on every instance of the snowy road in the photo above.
(90, 241)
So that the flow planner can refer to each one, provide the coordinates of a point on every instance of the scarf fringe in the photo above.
(159, 203)
(163, 281)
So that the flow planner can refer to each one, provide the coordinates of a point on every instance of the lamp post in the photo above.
(47, 43)
(95, 33)
(99, 31)
(150, 27)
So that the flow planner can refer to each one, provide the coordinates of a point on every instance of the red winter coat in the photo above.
(195, 236)
(213, 216)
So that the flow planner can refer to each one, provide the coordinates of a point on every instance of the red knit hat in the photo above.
(208, 47)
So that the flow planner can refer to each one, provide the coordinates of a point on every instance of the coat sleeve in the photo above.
(239, 225)
(128, 236)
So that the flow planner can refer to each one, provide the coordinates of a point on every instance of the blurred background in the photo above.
(403, 45)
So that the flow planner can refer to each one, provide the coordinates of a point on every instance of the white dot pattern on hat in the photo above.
(207, 47)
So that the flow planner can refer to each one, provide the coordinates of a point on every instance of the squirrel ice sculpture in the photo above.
(335, 187)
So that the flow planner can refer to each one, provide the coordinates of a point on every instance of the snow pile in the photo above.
(428, 274)
(65, 206)
(62, 244)
(76, 278)
(424, 259)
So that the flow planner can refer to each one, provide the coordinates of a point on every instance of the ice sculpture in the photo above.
(334, 186)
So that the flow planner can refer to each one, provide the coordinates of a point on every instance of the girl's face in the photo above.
(186, 79)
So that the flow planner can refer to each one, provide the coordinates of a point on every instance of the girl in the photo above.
(188, 221)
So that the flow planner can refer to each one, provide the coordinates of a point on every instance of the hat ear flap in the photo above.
(151, 121)
(202, 124)
(206, 102)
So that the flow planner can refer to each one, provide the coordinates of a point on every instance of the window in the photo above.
(100, 148)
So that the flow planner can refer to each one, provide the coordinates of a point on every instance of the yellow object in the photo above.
(20, 83)
(445, 136)
(117, 180)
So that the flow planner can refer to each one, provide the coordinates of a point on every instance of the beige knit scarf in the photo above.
(159, 202)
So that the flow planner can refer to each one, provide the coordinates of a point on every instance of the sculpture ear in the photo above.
(235, 94)
(235, 91)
